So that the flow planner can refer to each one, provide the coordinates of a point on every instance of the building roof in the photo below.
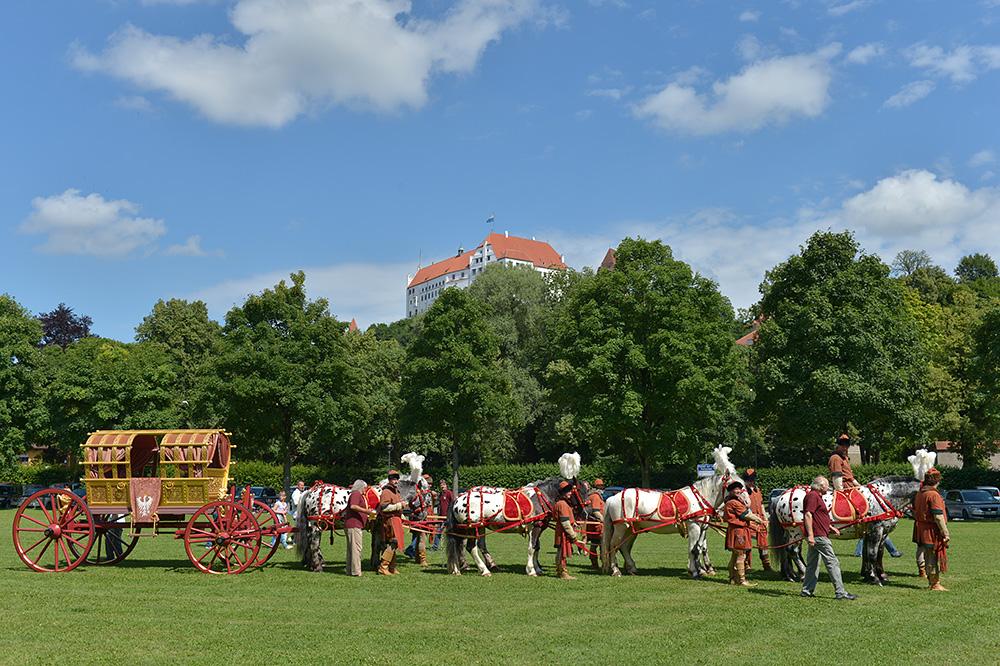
(539, 253)
(609, 261)
(436, 270)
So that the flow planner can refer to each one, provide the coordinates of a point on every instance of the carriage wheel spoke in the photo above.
(41, 505)
(37, 522)
(208, 552)
(202, 532)
(30, 529)
(74, 540)
(55, 551)
(36, 544)
(236, 557)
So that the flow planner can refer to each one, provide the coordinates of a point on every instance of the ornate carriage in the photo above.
(142, 483)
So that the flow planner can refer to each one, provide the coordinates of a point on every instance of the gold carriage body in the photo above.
(192, 467)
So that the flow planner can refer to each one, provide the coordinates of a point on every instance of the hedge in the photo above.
(256, 473)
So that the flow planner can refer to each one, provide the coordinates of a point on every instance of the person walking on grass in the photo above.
(355, 518)
(566, 536)
(817, 529)
(280, 509)
(390, 509)
(758, 531)
(738, 517)
(930, 529)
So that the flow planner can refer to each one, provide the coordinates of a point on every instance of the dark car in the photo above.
(612, 490)
(9, 492)
(776, 493)
(264, 494)
(971, 504)
(28, 491)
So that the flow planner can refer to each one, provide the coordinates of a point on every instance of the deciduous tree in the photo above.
(62, 328)
(20, 404)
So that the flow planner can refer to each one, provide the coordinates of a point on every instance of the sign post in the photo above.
(705, 469)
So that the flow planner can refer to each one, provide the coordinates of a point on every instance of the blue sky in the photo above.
(204, 149)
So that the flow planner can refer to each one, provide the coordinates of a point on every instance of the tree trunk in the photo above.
(286, 474)
(454, 467)
(644, 470)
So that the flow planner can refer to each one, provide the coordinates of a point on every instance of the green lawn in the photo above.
(156, 608)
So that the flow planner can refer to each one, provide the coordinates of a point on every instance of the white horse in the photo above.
(879, 506)
(686, 511)
(523, 511)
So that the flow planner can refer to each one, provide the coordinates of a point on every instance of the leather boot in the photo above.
(765, 561)
(922, 570)
(562, 573)
(741, 575)
(392, 565)
(935, 581)
(422, 558)
(383, 567)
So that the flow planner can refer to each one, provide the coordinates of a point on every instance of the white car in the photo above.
(992, 490)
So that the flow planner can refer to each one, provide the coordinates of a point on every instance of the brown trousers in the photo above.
(354, 539)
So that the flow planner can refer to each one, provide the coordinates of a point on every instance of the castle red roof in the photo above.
(539, 253)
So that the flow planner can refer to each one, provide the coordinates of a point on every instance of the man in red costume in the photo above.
(930, 529)
(390, 508)
(566, 535)
(738, 517)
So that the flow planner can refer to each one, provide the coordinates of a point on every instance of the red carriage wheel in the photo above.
(222, 537)
(113, 541)
(53, 531)
(270, 540)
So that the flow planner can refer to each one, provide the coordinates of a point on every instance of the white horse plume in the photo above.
(416, 463)
(922, 461)
(569, 465)
(722, 464)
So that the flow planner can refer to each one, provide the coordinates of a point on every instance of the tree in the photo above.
(20, 403)
(907, 262)
(520, 303)
(97, 384)
(62, 328)
(190, 338)
(380, 368)
(646, 363)
(838, 349)
(285, 375)
(974, 267)
(456, 394)
(932, 283)
(985, 370)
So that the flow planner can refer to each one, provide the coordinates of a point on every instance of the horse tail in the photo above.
(779, 534)
(302, 534)
(453, 544)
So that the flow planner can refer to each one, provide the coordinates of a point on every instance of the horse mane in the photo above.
(895, 478)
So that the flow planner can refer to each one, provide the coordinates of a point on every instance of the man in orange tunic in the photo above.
(930, 529)
(566, 535)
(738, 517)
(390, 508)
(757, 508)
(840, 465)
(595, 506)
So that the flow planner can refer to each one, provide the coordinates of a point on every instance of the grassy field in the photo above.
(156, 608)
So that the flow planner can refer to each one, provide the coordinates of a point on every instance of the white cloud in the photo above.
(847, 7)
(749, 15)
(191, 248)
(910, 93)
(913, 209)
(749, 48)
(370, 293)
(610, 93)
(962, 64)
(90, 225)
(134, 103)
(863, 54)
(771, 91)
(982, 158)
(299, 56)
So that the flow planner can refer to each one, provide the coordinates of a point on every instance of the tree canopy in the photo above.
(62, 328)
(837, 350)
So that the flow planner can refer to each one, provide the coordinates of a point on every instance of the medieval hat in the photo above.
(844, 440)
(933, 475)
(565, 486)
(734, 484)
(750, 474)
(393, 474)
(598, 482)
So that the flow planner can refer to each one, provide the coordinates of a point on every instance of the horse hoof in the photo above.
(616, 574)
(710, 572)
(533, 574)
(487, 574)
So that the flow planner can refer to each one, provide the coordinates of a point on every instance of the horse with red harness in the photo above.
(687, 511)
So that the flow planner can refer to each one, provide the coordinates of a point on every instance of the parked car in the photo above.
(28, 491)
(971, 504)
(992, 490)
(611, 491)
(9, 492)
(776, 493)
(264, 494)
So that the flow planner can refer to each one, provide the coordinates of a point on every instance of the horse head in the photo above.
(713, 488)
